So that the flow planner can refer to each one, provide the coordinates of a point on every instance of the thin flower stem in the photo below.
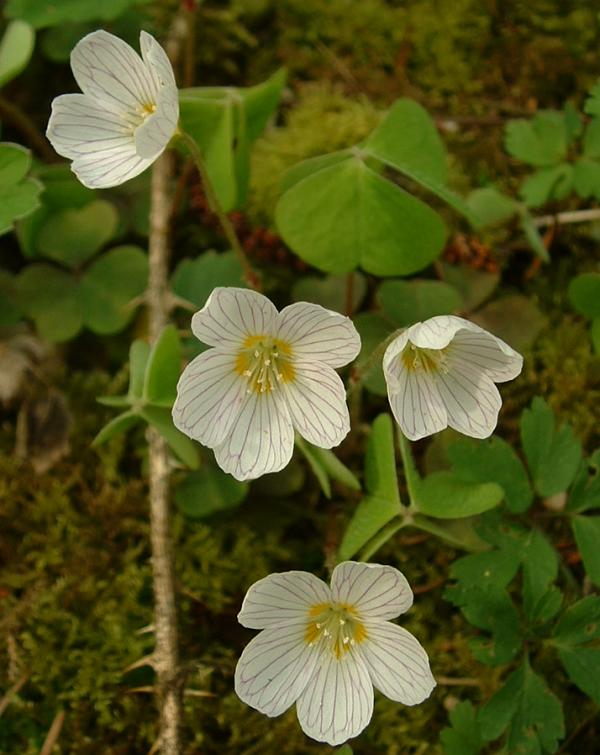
(384, 534)
(563, 218)
(215, 205)
(362, 370)
(410, 471)
(20, 120)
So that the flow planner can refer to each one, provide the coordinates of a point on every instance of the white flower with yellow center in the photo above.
(269, 373)
(441, 373)
(325, 648)
(127, 113)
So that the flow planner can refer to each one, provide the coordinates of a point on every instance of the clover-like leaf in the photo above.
(18, 194)
(406, 302)
(194, 280)
(208, 491)
(51, 297)
(541, 142)
(16, 48)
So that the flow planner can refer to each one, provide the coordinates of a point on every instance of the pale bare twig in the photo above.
(53, 733)
(12, 692)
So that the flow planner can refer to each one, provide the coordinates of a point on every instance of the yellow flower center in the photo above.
(428, 360)
(265, 362)
(338, 625)
(147, 108)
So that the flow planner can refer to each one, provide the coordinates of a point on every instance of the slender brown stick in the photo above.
(166, 657)
(53, 733)
(10, 694)
(562, 218)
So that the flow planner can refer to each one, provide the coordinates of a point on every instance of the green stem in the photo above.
(362, 370)
(469, 540)
(410, 471)
(215, 205)
(384, 534)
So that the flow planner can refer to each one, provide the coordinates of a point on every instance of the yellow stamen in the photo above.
(339, 625)
(428, 360)
(265, 361)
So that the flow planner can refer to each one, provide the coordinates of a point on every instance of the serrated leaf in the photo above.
(493, 460)
(576, 636)
(116, 426)
(548, 183)
(586, 178)
(16, 48)
(446, 495)
(573, 122)
(541, 142)
(587, 536)
(584, 294)
(540, 567)
(591, 139)
(182, 446)
(585, 491)
(73, 236)
(346, 215)
(407, 302)
(553, 454)
(194, 280)
(382, 502)
(528, 711)
(108, 287)
(463, 737)
(208, 491)
(52, 299)
(163, 369)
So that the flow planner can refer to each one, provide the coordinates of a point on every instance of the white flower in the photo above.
(441, 373)
(325, 648)
(127, 113)
(269, 373)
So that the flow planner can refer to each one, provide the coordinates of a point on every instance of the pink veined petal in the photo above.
(337, 703)
(376, 591)
(415, 400)
(231, 315)
(484, 351)
(316, 399)
(398, 664)
(261, 438)
(318, 334)
(110, 168)
(155, 56)
(274, 668)
(390, 362)
(108, 69)
(156, 131)
(79, 126)
(210, 394)
(471, 399)
(282, 598)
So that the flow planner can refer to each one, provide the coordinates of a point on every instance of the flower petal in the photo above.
(231, 315)
(280, 598)
(274, 669)
(483, 350)
(155, 56)
(471, 399)
(210, 394)
(108, 69)
(152, 137)
(316, 398)
(337, 703)
(318, 334)
(398, 664)
(79, 126)
(103, 170)
(415, 400)
(261, 439)
(376, 591)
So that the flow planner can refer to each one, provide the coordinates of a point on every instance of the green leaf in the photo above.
(325, 465)
(73, 236)
(41, 13)
(533, 237)
(407, 302)
(194, 280)
(584, 294)
(139, 354)
(10, 308)
(493, 460)
(573, 122)
(491, 206)
(15, 162)
(261, 101)
(595, 334)
(474, 286)
(446, 495)
(576, 637)
(163, 369)
(16, 48)
(330, 292)
(591, 139)
(315, 465)
(587, 536)
(182, 446)
(514, 318)
(108, 287)
(463, 737)
(553, 454)
(52, 299)
(541, 142)
(592, 104)
(306, 168)
(540, 567)
(585, 491)
(346, 216)
(586, 178)
(408, 140)
(529, 712)
(548, 183)
(373, 329)
(382, 502)
(345, 750)
(18, 195)
(116, 426)
(208, 491)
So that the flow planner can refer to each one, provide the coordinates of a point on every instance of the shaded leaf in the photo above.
(446, 495)
(163, 369)
(407, 302)
(587, 536)
(52, 299)
(208, 491)
(463, 737)
(182, 446)
(194, 280)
